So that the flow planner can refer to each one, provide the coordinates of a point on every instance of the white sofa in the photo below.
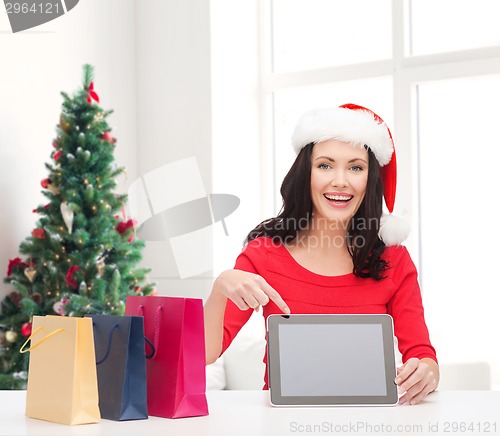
(241, 366)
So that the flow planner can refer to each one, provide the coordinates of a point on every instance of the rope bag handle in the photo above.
(55, 332)
(156, 339)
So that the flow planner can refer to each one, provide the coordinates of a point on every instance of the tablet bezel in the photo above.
(274, 370)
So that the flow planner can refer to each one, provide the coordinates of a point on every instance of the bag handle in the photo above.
(153, 349)
(22, 350)
(157, 323)
(110, 338)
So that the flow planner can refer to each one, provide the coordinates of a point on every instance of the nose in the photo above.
(339, 179)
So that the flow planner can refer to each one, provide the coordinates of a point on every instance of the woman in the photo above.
(330, 250)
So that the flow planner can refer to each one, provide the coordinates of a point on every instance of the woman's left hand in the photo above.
(417, 378)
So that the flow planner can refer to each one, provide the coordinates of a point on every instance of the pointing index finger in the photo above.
(275, 297)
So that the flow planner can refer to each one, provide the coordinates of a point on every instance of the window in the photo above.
(432, 71)
(459, 150)
(451, 25)
(320, 33)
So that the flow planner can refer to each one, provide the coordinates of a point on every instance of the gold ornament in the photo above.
(99, 116)
(64, 124)
(31, 273)
(100, 268)
(11, 336)
(54, 189)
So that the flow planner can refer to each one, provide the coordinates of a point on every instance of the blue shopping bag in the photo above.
(121, 366)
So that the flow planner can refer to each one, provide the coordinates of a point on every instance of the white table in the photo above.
(244, 413)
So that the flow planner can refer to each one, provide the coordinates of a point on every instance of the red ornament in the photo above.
(26, 329)
(124, 226)
(92, 94)
(45, 183)
(45, 207)
(57, 155)
(70, 277)
(13, 263)
(38, 233)
(107, 136)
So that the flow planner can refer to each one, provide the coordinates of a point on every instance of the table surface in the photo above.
(242, 413)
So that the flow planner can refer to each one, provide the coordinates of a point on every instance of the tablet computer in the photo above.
(329, 360)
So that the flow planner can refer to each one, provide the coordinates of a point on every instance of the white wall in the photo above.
(198, 95)
(174, 118)
(36, 65)
(235, 121)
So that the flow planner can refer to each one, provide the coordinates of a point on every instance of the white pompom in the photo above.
(393, 229)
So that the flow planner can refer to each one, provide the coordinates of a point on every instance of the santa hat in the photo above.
(359, 126)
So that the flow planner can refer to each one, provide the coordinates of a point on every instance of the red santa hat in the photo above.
(359, 126)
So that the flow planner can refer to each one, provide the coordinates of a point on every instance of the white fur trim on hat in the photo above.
(393, 229)
(358, 127)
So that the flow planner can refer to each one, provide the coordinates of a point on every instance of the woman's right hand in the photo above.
(248, 290)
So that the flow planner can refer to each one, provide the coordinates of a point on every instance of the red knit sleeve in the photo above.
(406, 308)
(251, 259)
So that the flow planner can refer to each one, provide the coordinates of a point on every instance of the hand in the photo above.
(417, 378)
(248, 290)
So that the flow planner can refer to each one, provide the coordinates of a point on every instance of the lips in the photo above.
(339, 198)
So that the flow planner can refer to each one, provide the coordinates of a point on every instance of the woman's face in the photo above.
(339, 173)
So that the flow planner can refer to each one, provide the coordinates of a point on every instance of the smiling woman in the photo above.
(330, 250)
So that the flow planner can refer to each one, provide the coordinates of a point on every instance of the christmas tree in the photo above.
(81, 256)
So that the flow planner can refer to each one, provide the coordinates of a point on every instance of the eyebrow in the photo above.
(333, 160)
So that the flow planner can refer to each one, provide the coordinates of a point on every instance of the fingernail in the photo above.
(402, 401)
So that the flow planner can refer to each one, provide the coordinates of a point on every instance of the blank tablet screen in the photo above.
(313, 356)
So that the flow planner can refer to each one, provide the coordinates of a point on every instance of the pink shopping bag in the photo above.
(176, 382)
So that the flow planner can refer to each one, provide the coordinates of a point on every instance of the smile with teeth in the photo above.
(342, 198)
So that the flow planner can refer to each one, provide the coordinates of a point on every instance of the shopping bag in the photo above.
(62, 377)
(176, 381)
(121, 366)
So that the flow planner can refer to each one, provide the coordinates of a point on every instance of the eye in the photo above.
(357, 168)
(324, 166)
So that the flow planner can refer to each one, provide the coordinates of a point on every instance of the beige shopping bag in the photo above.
(62, 376)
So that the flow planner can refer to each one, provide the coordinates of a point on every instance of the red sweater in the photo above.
(307, 292)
